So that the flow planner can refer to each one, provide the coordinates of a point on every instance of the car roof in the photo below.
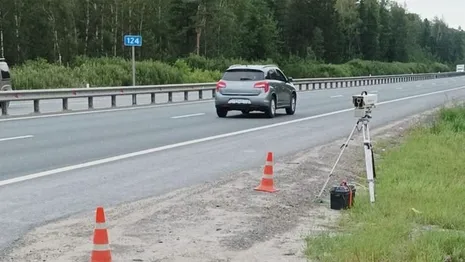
(253, 67)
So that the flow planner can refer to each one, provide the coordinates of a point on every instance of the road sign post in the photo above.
(133, 41)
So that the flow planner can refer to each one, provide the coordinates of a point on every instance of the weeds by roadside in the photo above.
(114, 71)
(418, 211)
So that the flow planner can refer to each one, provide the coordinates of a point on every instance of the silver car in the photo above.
(250, 88)
(5, 81)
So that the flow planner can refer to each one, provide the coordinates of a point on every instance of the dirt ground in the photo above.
(223, 221)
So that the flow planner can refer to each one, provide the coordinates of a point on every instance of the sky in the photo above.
(452, 11)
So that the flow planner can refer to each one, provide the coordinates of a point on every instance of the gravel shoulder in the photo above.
(222, 221)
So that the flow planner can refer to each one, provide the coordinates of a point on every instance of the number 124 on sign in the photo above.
(133, 40)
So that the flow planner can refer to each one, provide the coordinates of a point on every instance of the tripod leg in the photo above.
(371, 149)
(343, 147)
(369, 162)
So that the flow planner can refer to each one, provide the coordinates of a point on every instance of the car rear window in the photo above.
(4, 70)
(243, 75)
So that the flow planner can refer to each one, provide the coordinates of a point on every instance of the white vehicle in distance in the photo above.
(460, 68)
(250, 88)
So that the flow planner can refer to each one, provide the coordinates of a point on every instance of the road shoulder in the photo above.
(222, 221)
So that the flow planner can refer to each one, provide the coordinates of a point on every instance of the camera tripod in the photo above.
(369, 160)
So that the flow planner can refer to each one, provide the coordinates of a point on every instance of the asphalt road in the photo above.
(76, 162)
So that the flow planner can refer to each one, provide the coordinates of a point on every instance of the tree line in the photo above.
(309, 38)
(333, 31)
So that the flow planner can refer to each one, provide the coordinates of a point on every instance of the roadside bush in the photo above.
(115, 71)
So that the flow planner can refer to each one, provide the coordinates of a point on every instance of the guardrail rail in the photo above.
(302, 84)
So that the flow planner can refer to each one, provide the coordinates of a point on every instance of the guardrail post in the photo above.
(152, 98)
(170, 97)
(113, 101)
(90, 102)
(65, 104)
(200, 94)
(4, 108)
(36, 106)
(213, 93)
(134, 99)
(186, 95)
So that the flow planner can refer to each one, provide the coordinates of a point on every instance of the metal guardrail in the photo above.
(302, 84)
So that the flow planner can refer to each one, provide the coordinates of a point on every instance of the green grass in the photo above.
(39, 74)
(425, 173)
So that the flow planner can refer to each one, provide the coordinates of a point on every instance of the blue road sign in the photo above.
(133, 40)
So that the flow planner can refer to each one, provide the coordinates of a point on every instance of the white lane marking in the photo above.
(184, 116)
(97, 111)
(399, 88)
(15, 138)
(336, 96)
(196, 141)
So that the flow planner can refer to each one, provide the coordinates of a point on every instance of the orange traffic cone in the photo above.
(267, 184)
(101, 251)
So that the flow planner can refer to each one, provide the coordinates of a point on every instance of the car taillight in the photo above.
(264, 85)
(220, 85)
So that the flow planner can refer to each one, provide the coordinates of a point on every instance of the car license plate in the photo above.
(239, 101)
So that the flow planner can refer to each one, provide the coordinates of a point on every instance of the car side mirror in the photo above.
(290, 79)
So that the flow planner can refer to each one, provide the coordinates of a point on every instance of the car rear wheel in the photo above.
(6, 88)
(221, 112)
(271, 110)
(291, 109)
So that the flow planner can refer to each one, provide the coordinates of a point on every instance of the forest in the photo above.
(68, 43)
